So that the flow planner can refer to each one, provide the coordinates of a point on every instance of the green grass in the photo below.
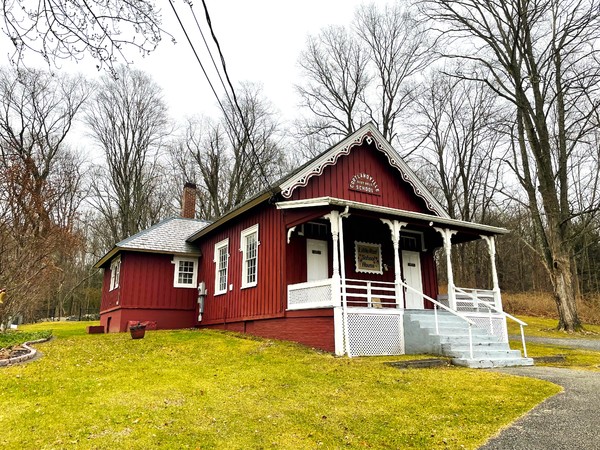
(12, 338)
(207, 389)
(543, 327)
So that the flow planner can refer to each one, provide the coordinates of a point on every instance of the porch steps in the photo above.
(453, 341)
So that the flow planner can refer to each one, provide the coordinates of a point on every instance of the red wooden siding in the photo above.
(335, 182)
(429, 277)
(266, 298)
(147, 281)
(146, 292)
(110, 299)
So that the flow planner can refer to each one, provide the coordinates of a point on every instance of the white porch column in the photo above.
(447, 237)
(334, 219)
(343, 281)
(395, 227)
(491, 242)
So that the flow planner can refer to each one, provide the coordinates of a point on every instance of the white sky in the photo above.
(261, 41)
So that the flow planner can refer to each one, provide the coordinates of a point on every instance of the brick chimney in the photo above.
(188, 207)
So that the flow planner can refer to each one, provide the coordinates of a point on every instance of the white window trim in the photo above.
(245, 233)
(192, 285)
(219, 246)
(115, 268)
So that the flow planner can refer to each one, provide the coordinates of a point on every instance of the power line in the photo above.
(235, 101)
(233, 98)
(197, 57)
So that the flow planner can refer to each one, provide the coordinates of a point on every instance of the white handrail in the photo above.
(491, 306)
(456, 313)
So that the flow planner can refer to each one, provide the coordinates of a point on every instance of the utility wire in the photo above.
(235, 101)
(197, 57)
(209, 51)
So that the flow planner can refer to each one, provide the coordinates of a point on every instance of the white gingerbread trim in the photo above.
(367, 133)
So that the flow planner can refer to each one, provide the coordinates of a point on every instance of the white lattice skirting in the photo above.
(371, 334)
(315, 294)
(494, 325)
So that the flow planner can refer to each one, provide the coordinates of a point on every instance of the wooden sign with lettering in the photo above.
(363, 182)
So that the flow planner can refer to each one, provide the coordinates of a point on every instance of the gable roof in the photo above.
(370, 134)
(167, 236)
(301, 176)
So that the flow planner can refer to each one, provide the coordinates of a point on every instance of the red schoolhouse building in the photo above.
(338, 255)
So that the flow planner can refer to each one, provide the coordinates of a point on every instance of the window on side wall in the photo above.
(115, 273)
(221, 265)
(249, 248)
(186, 274)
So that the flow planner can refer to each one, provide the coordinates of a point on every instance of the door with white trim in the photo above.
(316, 260)
(411, 269)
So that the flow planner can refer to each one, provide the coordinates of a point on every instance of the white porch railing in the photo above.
(370, 294)
(312, 294)
(483, 307)
(480, 302)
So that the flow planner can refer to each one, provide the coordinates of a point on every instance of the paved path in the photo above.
(568, 421)
(589, 344)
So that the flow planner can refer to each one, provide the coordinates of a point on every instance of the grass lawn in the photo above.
(543, 327)
(209, 389)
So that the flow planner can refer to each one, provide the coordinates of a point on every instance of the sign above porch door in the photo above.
(317, 262)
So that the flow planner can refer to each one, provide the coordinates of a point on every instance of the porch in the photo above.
(374, 278)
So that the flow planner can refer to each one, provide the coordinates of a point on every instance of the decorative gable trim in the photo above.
(369, 134)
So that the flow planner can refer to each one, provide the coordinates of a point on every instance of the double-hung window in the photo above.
(115, 273)
(249, 248)
(186, 274)
(221, 264)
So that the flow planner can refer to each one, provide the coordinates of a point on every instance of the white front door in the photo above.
(411, 268)
(316, 260)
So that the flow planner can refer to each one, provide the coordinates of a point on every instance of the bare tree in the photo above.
(542, 58)
(456, 124)
(128, 120)
(399, 48)
(367, 73)
(40, 185)
(334, 66)
(69, 30)
(228, 162)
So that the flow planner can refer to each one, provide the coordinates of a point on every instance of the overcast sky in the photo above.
(261, 41)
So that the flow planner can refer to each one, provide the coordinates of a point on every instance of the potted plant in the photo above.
(138, 331)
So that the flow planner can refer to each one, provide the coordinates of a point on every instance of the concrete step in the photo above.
(464, 346)
(488, 363)
(463, 339)
(456, 331)
(484, 354)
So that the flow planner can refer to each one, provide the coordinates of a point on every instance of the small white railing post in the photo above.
(470, 342)
(437, 326)
(523, 341)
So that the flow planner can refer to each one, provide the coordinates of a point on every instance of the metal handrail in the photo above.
(491, 306)
(455, 313)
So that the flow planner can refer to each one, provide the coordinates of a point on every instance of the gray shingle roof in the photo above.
(167, 236)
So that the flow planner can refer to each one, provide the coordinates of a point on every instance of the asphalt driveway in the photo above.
(569, 420)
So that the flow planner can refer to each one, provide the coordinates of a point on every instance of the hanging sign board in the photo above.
(368, 257)
(363, 182)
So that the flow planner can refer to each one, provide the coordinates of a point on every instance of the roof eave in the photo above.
(325, 201)
(231, 215)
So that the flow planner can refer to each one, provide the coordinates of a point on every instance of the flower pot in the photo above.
(137, 331)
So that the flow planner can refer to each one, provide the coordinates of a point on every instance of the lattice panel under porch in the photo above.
(315, 294)
(495, 327)
(375, 334)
